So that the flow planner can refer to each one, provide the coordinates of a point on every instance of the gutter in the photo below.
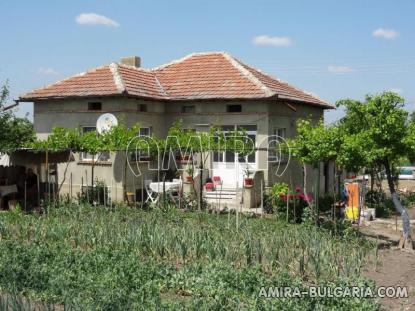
(16, 103)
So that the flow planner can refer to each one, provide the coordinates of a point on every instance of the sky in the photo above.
(330, 48)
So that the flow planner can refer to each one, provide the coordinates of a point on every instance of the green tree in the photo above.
(15, 132)
(377, 133)
(315, 143)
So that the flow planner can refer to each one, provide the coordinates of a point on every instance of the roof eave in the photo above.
(320, 103)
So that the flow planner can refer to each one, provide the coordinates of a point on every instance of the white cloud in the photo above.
(385, 33)
(340, 69)
(47, 71)
(95, 19)
(274, 41)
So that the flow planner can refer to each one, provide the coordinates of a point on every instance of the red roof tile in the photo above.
(206, 76)
(197, 76)
(140, 82)
(96, 81)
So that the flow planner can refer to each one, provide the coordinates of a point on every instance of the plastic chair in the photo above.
(151, 195)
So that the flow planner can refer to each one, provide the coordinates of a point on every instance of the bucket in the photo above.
(372, 213)
(352, 212)
(12, 204)
(130, 197)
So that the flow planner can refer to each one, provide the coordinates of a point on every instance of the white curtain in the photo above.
(4, 160)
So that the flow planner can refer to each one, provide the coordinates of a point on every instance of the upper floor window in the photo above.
(142, 107)
(145, 132)
(234, 108)
(188, 109)
(94, 106)
(141, 156)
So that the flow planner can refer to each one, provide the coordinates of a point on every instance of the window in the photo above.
(277, 138)
(99, 157)
(94, 106)
(251, 131)
(225, 156)
(230, 156)
(142, 107)
(188, 109)
(234, 108)
(145, 131)
(141, 156)
(280, 133)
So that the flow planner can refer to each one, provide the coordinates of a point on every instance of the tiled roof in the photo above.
(96, 81)
(215, 75)
(206, 76)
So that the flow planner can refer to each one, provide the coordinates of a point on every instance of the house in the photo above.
(201, 89)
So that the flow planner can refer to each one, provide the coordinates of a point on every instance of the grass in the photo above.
(92, 258)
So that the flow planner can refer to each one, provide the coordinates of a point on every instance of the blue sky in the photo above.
(332, 49)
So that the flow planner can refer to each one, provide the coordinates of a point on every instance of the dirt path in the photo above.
(396, 267)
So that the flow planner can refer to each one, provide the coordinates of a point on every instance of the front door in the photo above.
(229, 165)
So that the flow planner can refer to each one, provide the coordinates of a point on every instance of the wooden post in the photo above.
(25, 196)
(105, 197)
(293, 190)
(111, 191)
(262, 198)
(70, 186)
(135, 198)
(116, 192)
(317, 193)
(142, 190)
(180, 192)
(47, 174)
(86, 180)
(38, 190)
(82, 187)
(288, 204)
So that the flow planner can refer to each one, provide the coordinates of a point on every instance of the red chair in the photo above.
(209, 186)
(217, 180)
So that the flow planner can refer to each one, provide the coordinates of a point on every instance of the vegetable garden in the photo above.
(97, 258)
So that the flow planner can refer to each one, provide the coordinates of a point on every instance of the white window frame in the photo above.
(221, 155)
(272, 154)
(142, 156)
(87, 157)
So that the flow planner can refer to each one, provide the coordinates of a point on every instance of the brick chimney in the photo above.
(131, 61)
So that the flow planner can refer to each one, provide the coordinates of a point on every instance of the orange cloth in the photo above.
(353, 198)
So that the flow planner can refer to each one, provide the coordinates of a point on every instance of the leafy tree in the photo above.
(58, 140)
(376, 133)
(315, 143)
(15, 132)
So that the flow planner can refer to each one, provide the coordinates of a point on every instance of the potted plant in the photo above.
(184, 158)
(209, 186)
(249, 182)
(189, 177)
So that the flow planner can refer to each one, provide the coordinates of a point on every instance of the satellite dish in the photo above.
(106, 122)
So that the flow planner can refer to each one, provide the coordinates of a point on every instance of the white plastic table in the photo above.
(5, 190)
(169, 187)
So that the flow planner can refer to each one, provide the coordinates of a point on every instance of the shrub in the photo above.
(276, 202)
(377, 199)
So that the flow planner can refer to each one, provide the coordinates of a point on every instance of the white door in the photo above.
(229, 165)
